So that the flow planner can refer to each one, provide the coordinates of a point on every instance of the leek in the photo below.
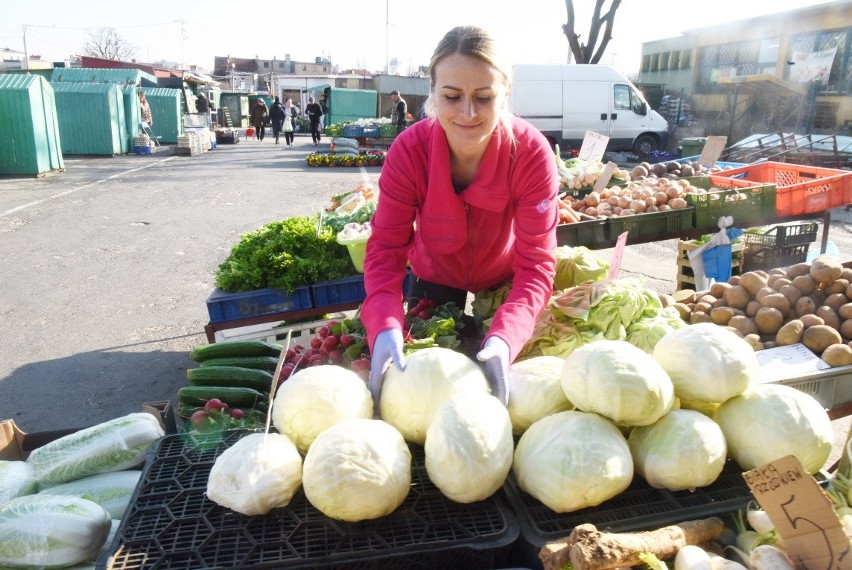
(113, 445)
(112, 491)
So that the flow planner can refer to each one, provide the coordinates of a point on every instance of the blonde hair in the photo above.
(475, 42)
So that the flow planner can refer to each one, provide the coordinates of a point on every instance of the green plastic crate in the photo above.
(649, 225)
(590, 233)
(387, 131)
(746, 202)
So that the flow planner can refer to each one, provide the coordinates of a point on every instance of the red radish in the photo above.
(330, 342)
(346, 340)
(237, 414)
(299, 347)
(198, 418)
(335, 355)
(290, 354)
(424, 315)
(215, 404)
(323, 332)
(316, 342)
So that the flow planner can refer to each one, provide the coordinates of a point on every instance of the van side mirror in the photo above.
(642, 108)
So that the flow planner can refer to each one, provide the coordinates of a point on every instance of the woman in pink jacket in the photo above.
(468, 197)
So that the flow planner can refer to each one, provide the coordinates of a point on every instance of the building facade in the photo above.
(797, 64)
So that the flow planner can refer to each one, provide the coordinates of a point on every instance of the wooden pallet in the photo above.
(685, 277)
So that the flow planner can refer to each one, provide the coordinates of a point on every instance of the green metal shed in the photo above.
(351, 104)
(91, 118)
(29, 131)
(95, 75)
(167, 112)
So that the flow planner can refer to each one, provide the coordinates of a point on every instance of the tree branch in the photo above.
(609, 19)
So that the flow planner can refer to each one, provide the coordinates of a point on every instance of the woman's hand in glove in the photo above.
(386, 348)
(495, 355)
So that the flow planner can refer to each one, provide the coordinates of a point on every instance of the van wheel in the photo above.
(645, 144)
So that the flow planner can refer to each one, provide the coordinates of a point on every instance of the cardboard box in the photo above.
(16, 444)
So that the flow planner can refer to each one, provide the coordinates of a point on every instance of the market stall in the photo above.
(632, 420)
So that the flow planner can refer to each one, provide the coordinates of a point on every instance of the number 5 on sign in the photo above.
(594, 146)
(802, 514)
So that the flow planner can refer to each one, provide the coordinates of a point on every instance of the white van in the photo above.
(565, 101)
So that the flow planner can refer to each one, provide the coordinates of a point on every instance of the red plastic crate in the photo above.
(800, 189)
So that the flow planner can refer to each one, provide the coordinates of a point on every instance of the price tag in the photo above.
(617, 252)
(713, 148)
(606, 176)
(801, 513)
(790, 361)
(594, 146)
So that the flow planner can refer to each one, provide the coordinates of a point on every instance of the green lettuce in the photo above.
(575, 265)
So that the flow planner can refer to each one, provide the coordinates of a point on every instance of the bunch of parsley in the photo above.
(284, 255)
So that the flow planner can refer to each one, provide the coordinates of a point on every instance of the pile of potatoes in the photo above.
(808, 303)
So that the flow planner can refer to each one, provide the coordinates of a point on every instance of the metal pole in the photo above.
(26, 54)
(387, 27)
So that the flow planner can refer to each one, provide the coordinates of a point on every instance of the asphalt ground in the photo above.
(106, 267)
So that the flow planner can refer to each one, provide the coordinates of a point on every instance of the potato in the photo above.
(770, 344)
(838, 355)
(839, 286)
(733, 330)
(777, 271)
(737, 297)
(684, 296)
(791, 293)
(754, 341)
(683, 311)
(847, 274)
(718, 288)
(768, 320)
(818, 297)
(743, 324)
(805, 306)
(734, 280)
(820, 337)
(828, 315)
(836, 300)
(790, 333)
(763, 292)
(845, 311)
(752, 308)
(752, 281)
(804, 283)
(798, 269)
(707, 298)
(702, 308)
(721, 315)
(826, 269)
(719, 303)
(846, 329)
(778, 301)
(699, 317)
(811, 320)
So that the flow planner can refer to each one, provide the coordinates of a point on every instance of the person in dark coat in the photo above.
(257, 117)
(276, 118)
(314, 113)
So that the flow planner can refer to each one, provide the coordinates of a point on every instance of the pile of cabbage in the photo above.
(586, 425)
(612, 309)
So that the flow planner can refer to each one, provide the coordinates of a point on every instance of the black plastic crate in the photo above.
(766, 258)
(779, 246)
(784, 235)
(639, 507)
(171, 524)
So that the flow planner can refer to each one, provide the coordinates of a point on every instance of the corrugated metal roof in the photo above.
(94, 75)
(405, 85)
(91, 118)
(29, 139)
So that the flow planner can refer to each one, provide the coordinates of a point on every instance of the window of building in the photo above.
(726, 60)
(674, 62)
(655, 62)
(686, 59)
(304, 67)
(280, 65)
(646, 62)
(266, 64)
(821, 46)
(664, 61)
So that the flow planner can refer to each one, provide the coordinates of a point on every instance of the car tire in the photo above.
(645, 144)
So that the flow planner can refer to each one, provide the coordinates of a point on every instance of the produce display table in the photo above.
(211, 328)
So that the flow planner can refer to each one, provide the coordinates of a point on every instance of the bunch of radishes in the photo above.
(331, 345)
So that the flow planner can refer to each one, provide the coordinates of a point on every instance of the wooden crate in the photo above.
(685, 277)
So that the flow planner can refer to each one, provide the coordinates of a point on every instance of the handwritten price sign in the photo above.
(801, 513)
(594, 146)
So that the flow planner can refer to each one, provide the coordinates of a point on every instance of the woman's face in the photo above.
(469, 97)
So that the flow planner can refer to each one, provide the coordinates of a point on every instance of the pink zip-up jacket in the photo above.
(501, 228)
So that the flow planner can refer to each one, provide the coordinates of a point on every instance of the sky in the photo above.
(363, 34)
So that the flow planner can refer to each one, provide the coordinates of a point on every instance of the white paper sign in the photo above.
(606, 176)
(594, 146)
(713, 147)
(785, 362)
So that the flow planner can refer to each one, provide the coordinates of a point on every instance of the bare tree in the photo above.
(109, 44)
(593, 49)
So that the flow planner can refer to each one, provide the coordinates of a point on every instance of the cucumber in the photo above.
(259, 362)
(235, 397)
(236, 376)
(235, 348)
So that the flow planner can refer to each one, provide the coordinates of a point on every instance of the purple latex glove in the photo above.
(386, 348)
(495, 355)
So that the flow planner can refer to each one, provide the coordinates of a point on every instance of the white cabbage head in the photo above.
(258, 473)
(573, 460)
(357, 470)
(469, 447)
(316, 398)
(682, 450)
(410, 398)
(771, 421)
(615, 379)
(707, 362)
(535, 391)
